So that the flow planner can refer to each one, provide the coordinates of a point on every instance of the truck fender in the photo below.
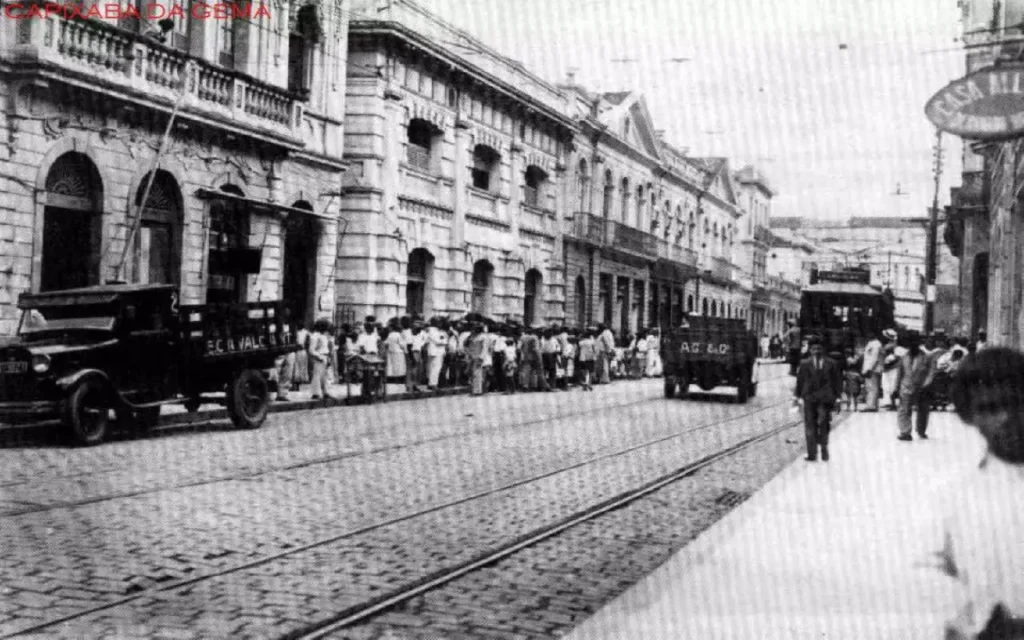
(69, 381)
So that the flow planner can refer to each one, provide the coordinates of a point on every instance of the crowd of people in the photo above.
(486, 355)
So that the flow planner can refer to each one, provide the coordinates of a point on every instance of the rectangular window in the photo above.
(182, 26)
(226, 43)
(482, 179)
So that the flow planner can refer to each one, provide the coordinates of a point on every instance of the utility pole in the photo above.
(932, 249)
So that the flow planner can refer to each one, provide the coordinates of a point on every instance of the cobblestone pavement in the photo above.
(91, 527)
(546, 590)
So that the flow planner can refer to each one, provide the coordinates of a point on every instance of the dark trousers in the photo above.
(817, 424)
(921, 403)
(794, 361)
(500, 384)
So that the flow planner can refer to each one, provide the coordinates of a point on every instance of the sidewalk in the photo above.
(824, 551)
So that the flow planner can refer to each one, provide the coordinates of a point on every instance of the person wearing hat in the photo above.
(793, 345)
(871, 371)
(436, 341)
(892, 352)
(915, 373)
(818, 388)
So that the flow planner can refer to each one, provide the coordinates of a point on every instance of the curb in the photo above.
(304, 405)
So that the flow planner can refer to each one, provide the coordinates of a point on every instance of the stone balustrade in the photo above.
(114, 58)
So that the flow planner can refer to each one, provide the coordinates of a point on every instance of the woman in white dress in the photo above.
(395, 349)
(653, 368)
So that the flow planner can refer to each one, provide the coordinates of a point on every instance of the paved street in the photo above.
(135, 519)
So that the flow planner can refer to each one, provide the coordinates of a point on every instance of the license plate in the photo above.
(18, 366)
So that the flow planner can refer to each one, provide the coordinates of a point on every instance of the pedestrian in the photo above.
(913, 377)
(853, 380)
(892, 353)
(394, 353)
(320, 353)
(587, 355)
(982, 341)
(550, 350)
(436, 341)
(871, 371)
(638, 356)
(417, 341)
(794, 345)
(652, 364)
(531, 370)
(818, 388)
(369, 340)
(302, 372)
(765, 345)
(475, 349)
(983, 515)
(510, 369)
(607, 350)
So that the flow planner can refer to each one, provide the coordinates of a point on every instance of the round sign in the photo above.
(987, 104)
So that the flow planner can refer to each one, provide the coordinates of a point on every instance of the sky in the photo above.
(834, 129)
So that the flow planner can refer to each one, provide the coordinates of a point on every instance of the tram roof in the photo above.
(843, 288)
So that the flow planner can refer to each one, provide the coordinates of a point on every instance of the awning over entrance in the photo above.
(258, 205)
(672, 271)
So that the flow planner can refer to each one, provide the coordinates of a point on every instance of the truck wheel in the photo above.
(141, 420)
(86, 413)
(684, 386)
(670, 386)
(248, 399)
(743, 392)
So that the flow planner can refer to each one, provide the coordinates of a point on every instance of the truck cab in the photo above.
(80, 353)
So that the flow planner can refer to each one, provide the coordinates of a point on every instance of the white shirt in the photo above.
(368, 343)
(872, 352)
(983, 542)
(436, 341)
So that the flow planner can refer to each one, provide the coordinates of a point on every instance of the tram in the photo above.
(844, 309)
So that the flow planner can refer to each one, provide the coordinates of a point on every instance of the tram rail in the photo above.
(447, 574)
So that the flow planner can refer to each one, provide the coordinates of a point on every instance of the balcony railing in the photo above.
(111, 56)
(633, 240)
(720, 268)
(588, 227)
(667, 250)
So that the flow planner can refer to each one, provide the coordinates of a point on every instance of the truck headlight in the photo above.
(40, 363)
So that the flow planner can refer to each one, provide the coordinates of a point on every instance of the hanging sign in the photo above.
(987, 104)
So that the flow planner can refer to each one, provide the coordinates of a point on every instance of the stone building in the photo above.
(458, 175)
(652, 232)
(243, 203)
(755, 195)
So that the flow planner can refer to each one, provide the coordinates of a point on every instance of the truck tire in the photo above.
(141, 420)
(743, 390)
(248, 399)
(87, 412)
(670, 386)
(684, 386)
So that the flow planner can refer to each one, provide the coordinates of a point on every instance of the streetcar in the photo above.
(843, 309)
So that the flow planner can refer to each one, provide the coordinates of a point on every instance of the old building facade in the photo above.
(240, 206)
(458, 170)
(755, 195)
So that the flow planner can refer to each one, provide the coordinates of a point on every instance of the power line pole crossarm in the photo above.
(932, 249)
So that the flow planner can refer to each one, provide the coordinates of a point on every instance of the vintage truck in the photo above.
(710, 352)
(80, 354)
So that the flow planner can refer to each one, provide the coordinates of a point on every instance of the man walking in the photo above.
(818, 387)
(872, 371)
(916, 372)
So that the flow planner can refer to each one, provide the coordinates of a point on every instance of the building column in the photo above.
(461, 271)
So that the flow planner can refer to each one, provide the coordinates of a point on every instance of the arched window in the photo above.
(625, 198)
(581, 302)
(483, 276)
(157, 248)
(689, 303)
(485, 164)
(533, 290)
(714, 308)
(298, 285)
(422, 139)
(72, 224)
(533, 186)
(609, 193)
(691, 232)
(583, 187)
(304, 34)
(704, 306)
(230, 253)
(728, 310)
(419, 280)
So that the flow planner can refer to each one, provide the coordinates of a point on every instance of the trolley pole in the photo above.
(932, 249)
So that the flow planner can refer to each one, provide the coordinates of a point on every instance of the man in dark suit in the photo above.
(818, 387)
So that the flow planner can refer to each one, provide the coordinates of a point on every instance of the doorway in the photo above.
(301, 239)
(72, 220)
